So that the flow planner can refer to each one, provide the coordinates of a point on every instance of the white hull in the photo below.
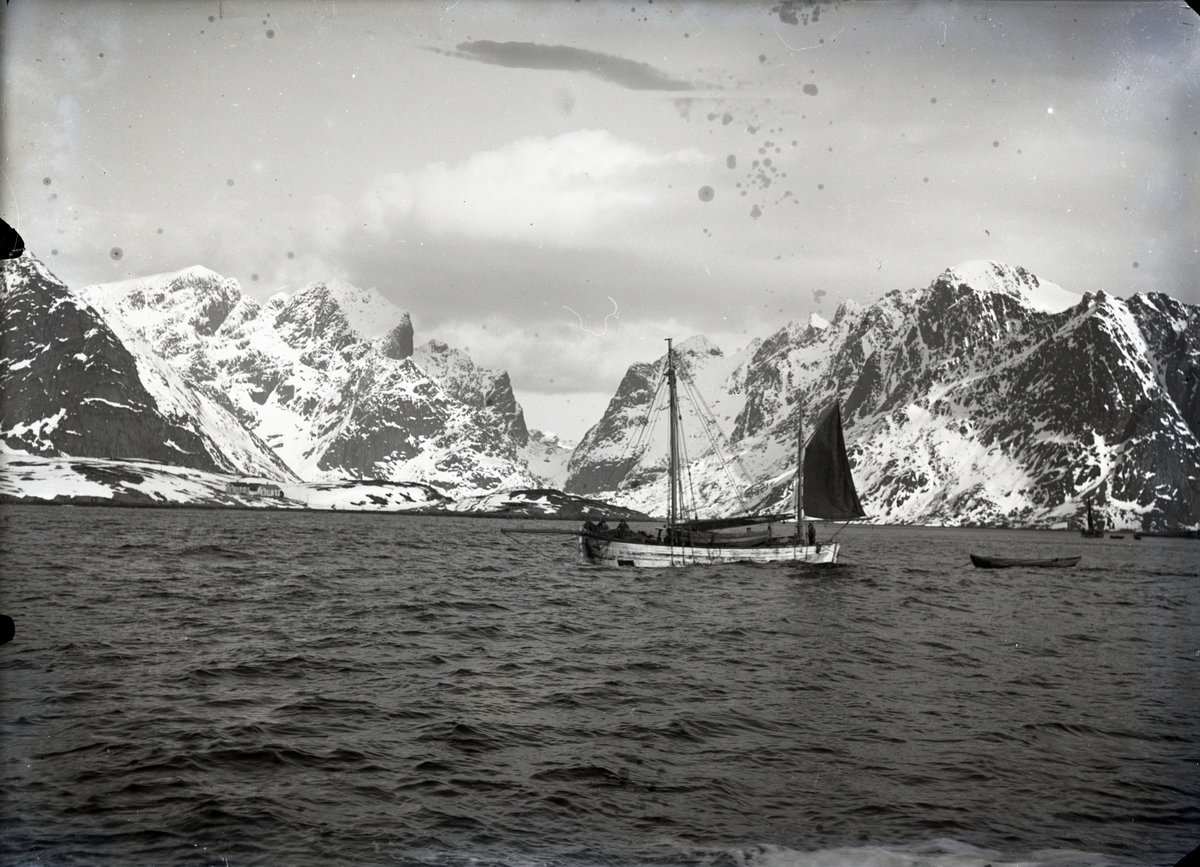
(613, 552)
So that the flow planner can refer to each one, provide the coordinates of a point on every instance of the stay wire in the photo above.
(632, 446)
(715, 435)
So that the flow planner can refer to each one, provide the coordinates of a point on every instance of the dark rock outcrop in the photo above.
(71, 387)
(398, 343)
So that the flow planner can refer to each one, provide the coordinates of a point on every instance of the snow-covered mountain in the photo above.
(72, 385)
(547, 456)
(327, 376)
(989, 396)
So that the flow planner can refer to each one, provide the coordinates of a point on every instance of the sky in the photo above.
(557, 187)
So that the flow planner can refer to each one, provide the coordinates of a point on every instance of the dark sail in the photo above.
(828, 485)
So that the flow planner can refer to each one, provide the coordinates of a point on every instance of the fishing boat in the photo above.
(1095, 525)
(981, 562)
(824, 490)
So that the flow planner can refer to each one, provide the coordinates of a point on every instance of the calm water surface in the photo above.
(206, 687)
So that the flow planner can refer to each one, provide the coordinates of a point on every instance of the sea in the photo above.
(210, 687)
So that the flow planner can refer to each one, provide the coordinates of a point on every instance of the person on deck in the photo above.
(812, 534)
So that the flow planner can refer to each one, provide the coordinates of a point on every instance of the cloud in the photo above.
(606, 67)
(557, 190)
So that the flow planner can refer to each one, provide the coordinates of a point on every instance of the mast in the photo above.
(673, 463)
(800, 475)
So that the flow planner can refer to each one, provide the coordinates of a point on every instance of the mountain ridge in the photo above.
(988, 396)
(328, 376)
(1000, 404)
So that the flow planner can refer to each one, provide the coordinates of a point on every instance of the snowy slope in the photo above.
(26, 478)
(546, 456)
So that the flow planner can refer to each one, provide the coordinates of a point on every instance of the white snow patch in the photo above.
(987, 275)
(367, 312)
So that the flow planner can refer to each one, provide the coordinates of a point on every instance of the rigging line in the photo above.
(736, 458)
(659, 405)
(687, 469)
(15, 203)
(714, 448)
(654, 412)
(717, 436)
(522, 544)
(631, 446)
(838, 532)
(714, 433)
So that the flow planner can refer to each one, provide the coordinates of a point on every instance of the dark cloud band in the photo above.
(530, 55)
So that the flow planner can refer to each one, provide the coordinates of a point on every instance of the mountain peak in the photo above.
(986, 275)
(367, 313)
(193, 299)
(698, 344)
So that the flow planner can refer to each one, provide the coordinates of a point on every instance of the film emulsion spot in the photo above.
(706, 194)
(810, 89)
(731, 161)
(116, 253)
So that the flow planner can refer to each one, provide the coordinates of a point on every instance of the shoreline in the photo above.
(614, 512)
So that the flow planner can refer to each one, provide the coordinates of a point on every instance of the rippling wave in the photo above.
(207, 687)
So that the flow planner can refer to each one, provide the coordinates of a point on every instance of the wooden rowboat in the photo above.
(1007, 562)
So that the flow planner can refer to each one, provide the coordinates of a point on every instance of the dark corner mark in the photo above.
(8, 629)
(606, 67)
(1195, 5)
(11, 243)
(1191, 859)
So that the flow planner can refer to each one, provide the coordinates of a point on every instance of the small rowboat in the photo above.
(1006, 562)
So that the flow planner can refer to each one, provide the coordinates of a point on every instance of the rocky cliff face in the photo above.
(987, 397)
(73, 386)
(489, 391)
(328, 377)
